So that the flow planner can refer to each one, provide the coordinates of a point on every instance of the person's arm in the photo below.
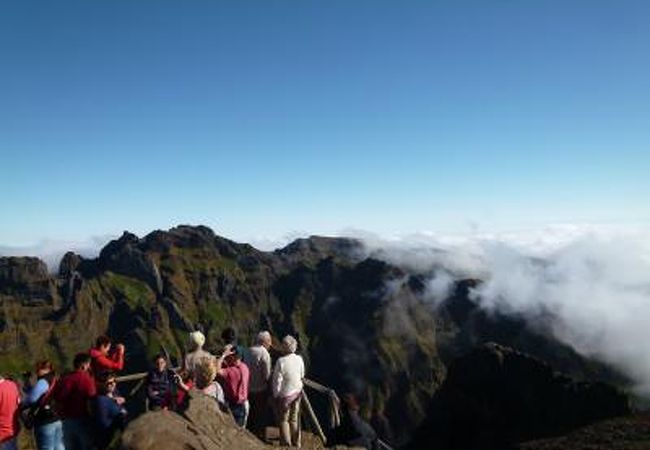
(152, 393)
(219, 393)
(114, 363)
(227, 351)
(302, 368)
(35, 393)
(266, 365)
(276, 380)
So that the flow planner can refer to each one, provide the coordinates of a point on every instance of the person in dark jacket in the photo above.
(110, 414)
(354, 431)
(160, 385)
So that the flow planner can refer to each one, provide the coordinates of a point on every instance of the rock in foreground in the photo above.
(202, 427)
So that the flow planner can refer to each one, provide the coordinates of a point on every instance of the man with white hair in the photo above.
(259, 363)
(193, 358)
(286, 386)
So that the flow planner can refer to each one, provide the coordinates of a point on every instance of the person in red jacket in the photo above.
(9, 402)
(103, 360)
(72, 397)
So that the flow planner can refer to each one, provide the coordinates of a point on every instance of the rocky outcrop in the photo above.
(69, 264)
(495, 396)
(123, 256)
(202, 426)
(625, 433)
(26, 281)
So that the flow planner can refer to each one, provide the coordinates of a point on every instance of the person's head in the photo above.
(160, 362)
(82, 362)
(197, 339)
(107, 384)
(350, 402)
(264, 339)
(103, 344)
(234, 357)
(289, 344)
(204, 373)
(44, 368)
(229, 336)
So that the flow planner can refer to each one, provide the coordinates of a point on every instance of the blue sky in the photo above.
(261, 118)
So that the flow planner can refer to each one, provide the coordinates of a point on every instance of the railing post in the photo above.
(313, 417)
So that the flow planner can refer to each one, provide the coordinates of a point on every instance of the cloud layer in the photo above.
(593, 281)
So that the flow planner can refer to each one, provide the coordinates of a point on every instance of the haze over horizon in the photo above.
(266, 120)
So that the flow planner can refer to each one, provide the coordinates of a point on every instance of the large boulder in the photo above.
(203, 426)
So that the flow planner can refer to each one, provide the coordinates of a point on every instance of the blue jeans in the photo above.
(240, 413)
(9, 445)
(78, 434)
(49, 436)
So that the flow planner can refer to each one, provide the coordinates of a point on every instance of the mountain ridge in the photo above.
(362, 323)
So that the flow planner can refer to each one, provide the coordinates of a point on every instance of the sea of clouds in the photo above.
(592, 283)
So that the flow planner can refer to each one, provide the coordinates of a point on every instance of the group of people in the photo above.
(244, 381)
(79, 410)
(82, 409)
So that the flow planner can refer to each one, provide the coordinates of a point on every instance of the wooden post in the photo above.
(313, 417)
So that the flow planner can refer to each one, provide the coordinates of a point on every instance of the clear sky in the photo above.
(260, 118)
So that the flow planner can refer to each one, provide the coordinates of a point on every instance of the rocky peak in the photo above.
(69, 264)
(316, 248)
(124, 256)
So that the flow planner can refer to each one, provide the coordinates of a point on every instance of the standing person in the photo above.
(9, 411)
(72, 396)
(234, 378)
(160, 384)
(259, 364)
(197, 341)
(110, 414)
(286, 387)
(103, 361)
(48, 428)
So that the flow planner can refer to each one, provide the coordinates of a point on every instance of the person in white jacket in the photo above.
(286, 386)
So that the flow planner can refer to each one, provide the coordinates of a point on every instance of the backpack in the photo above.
(41, 412)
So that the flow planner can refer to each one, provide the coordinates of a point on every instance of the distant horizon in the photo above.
(538, 242)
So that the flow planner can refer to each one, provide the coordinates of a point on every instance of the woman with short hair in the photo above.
(286, 387)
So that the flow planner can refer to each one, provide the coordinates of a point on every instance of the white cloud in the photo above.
(594, 281)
